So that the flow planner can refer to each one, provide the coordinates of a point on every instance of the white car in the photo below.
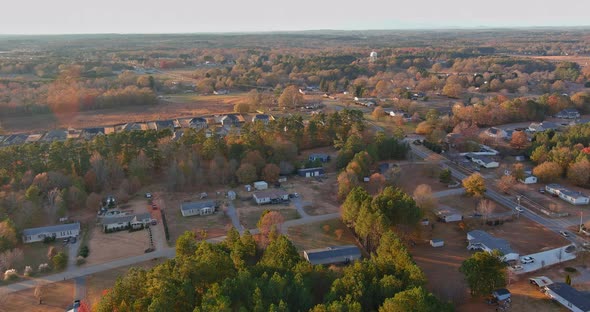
(564, 233)
(527, 259)
(519, 209)
(517, 267)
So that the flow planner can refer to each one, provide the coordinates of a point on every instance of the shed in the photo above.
(569, 297)
(447, 214)
(529, 179)
(541, 281)
(332, 255)
(437, 242)
(501, 294)
(282, 179)
(199, 208)
(311, 172)
(260, 185)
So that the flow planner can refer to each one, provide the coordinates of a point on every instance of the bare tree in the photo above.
(424, 198)
(40, 292)
(486, 207)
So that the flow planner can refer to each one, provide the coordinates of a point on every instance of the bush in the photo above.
(60, 261)
(165, 225)
(80, 260)
(433, 146)
(84, 251)
(571, 270)
(28, 271)
(48, 240)
(43, 267)
(10, 275)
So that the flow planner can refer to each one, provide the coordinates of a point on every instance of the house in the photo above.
(447, 214)
(321, 157)
(332, 255)
(34, 137)
(272, 196)
(198, 123)
(263, 118)
(91, 133)
(437, 242)
(543, 126)
(483, 161)
(55, 135)
(496, 133)
(568, 113)
(528, 179)
(126, 222)
(481, 240)
(132, 126)
(73, 133)
(165, 124)
(199, 208)
(56, 231)
(484, 150)
(230, 120)
(260, 185)
(554, 188)
(569, 297)
(573, 197)
(311, 172)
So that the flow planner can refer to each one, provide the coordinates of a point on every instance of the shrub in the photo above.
(571, 270)
(80, 260)
(84, 251)
(10, 275)
(48, 240)
(43, 267)
(60, 261)
(28, 271)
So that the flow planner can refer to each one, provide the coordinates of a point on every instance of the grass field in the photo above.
(56, 298)
(250, 216)
(320, 234)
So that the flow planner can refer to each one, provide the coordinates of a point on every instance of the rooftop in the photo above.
(272, 193)
(52, 228)
(491, 242)
(197, 205)
(128, 218)
(329, 252)
(577, 298)
(572, 194)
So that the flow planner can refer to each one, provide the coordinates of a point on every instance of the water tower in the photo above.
(373, 56)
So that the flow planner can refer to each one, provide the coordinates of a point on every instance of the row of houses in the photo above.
(213, 125)
(572, 197)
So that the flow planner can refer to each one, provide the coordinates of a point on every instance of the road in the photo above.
(551, 224)
(165, 252)
(451, 192)
(232, 214)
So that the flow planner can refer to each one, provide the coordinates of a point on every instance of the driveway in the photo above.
(73, 253)
(231, 213)
(299, 205)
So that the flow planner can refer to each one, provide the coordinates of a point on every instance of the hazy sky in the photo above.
(165, 16)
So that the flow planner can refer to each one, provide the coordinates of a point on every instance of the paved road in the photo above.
(166, 252)
(451, 192)
(551, 224)
(80, 288)
(232, 214)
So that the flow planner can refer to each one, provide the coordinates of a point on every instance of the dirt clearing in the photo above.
(321, 234)
(57, 296)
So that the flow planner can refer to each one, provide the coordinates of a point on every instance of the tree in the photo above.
(40, 292)
(452, 90)
(280, 254)
(579, 173)
(242, 108)
(270, 221)
(186, 244)
(8, 238)
(290, 97)
(506, 183)
(519, 140)
(485, 207)
(416, 299)
(474, 185)
(445, 176)
(378, 113)
(60, 261)
(548, 171)
(271, 173)
(484, 272)
(246, 174)
(424, 198)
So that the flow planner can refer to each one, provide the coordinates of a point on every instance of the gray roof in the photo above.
(311, 169)
(197, 205)
(128, 218)
(556, 186)
(575, 297)
(260, 117)
(572, 194)
(316, 255)
(271, 193)
(52, 229)
(491, 242)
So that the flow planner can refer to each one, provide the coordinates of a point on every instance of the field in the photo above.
(36, 253)
(172, 107)
(107, 247)
(57, 296)
(320, 234)
(317, 197)
(412, 175)
(249, 213)
(97, 283)
(215, 225)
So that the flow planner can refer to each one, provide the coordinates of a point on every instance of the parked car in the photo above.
(73, 240)
(586, 245)
(154, 222)
(517, 267)
(519, 209)
(564, 233)
(527, 259)
(148, 195)
(542, 190)
(66, 241)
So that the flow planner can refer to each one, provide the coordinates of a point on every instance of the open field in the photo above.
(57, 297)
(215, 224)
(107, 247)
(412, 175)
(320, 234)
(249, 213)
(580, 59)
(317, 197)
(36, 253)
(97, 283)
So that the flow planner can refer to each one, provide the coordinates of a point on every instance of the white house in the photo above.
(481, 240)
(270, 196)
(448, 214)
(53, 231)
(528, 179)
(568, 113)
(260, 185)
(573, 197)
(569, 297)
(483, 161)
(200, 208)
(437, 242)
(135, 222)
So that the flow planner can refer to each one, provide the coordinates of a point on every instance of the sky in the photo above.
(194, 16)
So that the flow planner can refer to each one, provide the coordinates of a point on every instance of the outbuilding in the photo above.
(260, 185)
(311, 172)
(199, 208)
(528, 179)
(332, 255)
(447, 214)
(437, 242)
